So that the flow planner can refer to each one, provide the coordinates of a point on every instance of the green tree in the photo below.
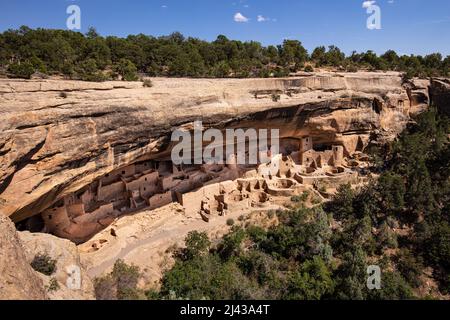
(293, 54)
(207, 277)
(393, 287)
(319, 56)
(89, 71)
(334, 56)
(221, 70)
(351, 275)
(386, 237)
(120, 284)
(92, 33)
(231, 244)
(197, 244)
(438, 246)
(22, 70)
(391, 59)
(419, 192)
(126, 69)
(342, 204)
(409, 266)
(391, 190)
(312, 281)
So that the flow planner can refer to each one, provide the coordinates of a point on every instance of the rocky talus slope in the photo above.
(58, 136)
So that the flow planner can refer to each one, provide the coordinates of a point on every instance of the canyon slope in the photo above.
(58, 136)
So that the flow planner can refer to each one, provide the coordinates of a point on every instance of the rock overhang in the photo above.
(53, 144)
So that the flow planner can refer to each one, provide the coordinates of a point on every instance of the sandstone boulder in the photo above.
(73, 282)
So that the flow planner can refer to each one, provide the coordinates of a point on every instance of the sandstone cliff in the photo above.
(18, 281)
(58, 136)
(440, 90)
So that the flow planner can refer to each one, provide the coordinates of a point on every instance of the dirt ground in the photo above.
(145, 239)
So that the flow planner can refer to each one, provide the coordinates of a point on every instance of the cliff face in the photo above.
(18, 281)
(440, 90)
(58, 136)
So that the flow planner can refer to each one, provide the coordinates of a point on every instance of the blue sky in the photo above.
(408, 26)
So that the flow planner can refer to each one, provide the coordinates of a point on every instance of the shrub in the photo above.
(89, 71)
(309, 69)
(257, 234)
(231, 243)
(127, 278)
(44, 264)
(21, 70)
(316, 200)
(197, 244)
(120, 284)
(221, 70)
(53, 285)
(408, 75)
(280, 73)
(352, 68)
(342, 204)
(305, 195)
(38, 65)
(438, 246)
(313, 280)
(394, 287)
(230, 222)
(276, 97)
(386, 237)
(148, 83)
(301, 198)
(205, 278)
(126, 69)
(63, 95)
(152, 294)
(95, 77)
(409, 267)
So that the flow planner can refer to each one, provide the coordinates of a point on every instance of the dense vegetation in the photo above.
(399, 222)
(94, 58)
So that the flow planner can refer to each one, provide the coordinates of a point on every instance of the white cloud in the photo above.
(367, 4)
(262, 18)
(239, 17)
(164, 6)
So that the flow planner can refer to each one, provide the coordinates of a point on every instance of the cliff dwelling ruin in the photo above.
(72, 166)
(205, 190)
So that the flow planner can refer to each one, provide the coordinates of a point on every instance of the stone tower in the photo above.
(306, 144)
(338, 155)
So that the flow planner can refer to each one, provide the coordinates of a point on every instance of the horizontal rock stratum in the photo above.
(58, 136)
